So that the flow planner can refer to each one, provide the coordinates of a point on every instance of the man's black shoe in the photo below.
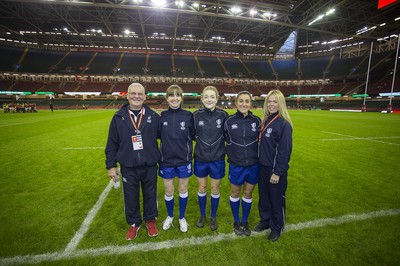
(273, 236)
(261, 227)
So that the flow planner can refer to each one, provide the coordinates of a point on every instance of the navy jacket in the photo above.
(210, 141)
(176, 134)
(119, 144)
(242, 138)
(275, 145)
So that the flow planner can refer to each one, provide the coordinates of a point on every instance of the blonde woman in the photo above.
(275, 148)
(209, 153)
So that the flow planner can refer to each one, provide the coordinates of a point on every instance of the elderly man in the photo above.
(132, 142)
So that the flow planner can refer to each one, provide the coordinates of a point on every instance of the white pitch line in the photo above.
(373, 139)
(88, 220)
(192, 241)
(84, 148)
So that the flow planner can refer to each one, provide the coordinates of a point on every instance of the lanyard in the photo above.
(133, 122)
(265, 127)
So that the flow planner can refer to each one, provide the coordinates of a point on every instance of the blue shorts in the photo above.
(215, 170)
(183, 171)
(240, 174)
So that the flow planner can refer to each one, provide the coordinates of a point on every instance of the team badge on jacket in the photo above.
(149, 119)
(219, 122)
(253, 126)
(183, 125)
(268, 134)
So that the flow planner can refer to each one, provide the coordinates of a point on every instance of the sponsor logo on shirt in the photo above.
(201, 123)
(234, 126)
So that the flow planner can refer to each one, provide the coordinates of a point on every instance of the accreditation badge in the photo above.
(137, 142)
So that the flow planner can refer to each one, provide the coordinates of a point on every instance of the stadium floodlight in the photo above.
(331, 11)
(159, 3)
(180, 4)
(196, 5)
(235, 10)
(253, 12)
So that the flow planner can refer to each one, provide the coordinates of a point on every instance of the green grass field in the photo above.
(343, 198)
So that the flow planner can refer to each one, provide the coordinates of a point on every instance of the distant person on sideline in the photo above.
(132, 142)
(51, 106)
(241, 131)
(209, 153)
(275, 148)
(176, 149)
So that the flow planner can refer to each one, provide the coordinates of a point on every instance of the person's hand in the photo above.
(113, 173)
(274, 179)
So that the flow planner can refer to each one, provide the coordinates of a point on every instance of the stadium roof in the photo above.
(223, 27)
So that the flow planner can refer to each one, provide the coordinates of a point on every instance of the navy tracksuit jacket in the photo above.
(242, 139)
(210, 141)
(138, 167)
(176, 134)
(275, 148)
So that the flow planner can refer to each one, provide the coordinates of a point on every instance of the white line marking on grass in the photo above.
(16, 124)
(84, 148)
(349, 137)
(192, 241)
(88, 220)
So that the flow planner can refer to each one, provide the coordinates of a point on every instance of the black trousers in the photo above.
(272, 200)
(134, 178)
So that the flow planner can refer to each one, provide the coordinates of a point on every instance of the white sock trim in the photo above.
(215, 196)
(168, 198)
(234, 199)
(184, 195)
(202, 194)
(247, 200)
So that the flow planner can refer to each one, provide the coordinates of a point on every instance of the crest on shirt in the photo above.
(268, 134)
(253, 127)
(234, 126)
(165, 123)
(149, 119)
(219, 122)
(182, 125)
(201, 123)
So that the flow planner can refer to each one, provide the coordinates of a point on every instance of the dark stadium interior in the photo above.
(84, 46)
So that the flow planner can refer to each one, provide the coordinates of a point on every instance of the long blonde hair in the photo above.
(282, 108)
